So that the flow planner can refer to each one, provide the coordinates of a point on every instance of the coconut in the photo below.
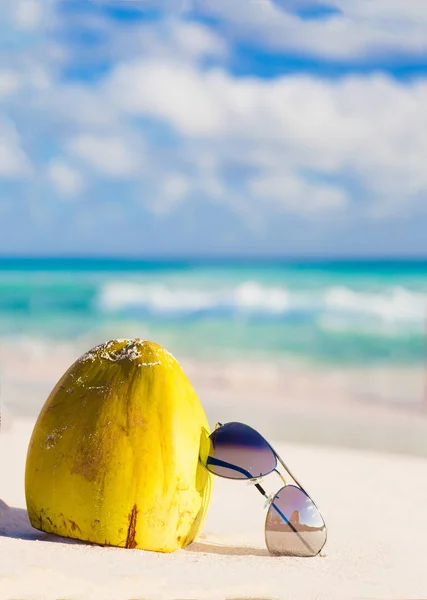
(114, 454)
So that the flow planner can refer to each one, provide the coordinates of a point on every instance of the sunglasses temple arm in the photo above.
(288, 471)
(298, 483)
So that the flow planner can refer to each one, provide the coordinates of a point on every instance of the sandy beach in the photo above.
(362, 457)
(373, 504)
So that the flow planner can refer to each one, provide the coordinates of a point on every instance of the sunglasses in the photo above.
(293, 525)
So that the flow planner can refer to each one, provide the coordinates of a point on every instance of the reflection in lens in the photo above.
(239, 452)
(294, 525)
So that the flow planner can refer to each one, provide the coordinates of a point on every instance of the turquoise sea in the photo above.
(329, 312)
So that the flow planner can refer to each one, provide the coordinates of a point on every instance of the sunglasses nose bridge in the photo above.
(255, 480)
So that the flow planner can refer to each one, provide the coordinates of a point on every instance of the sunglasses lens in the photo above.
(294, 525)
(239, 452)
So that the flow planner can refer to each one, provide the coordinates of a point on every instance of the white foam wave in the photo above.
(392, 305)
(397, 304)
(117, 296)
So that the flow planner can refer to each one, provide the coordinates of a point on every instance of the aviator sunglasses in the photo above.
(293, 525)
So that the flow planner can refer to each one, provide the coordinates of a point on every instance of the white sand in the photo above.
(375, 506)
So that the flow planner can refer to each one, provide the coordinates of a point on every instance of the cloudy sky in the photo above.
(213, 127)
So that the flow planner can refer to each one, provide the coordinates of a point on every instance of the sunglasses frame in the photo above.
(269, 499)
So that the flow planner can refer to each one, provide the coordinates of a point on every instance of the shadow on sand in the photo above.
(14, 523)
(205, 547)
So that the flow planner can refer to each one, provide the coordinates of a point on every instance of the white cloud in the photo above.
(167, 90)
(364, 28)
(168, 38)
(14, 163)
(109, 155)
(239, 141)
(65, 178)
(386, 11)
(176, 186)
(28, 14)
(77, 105)
(172, 189)
(293, 194)
(193, 41)
(164, 39)
(369, 126)
(9, 82)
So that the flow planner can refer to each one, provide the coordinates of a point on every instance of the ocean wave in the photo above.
(397, 304)
(392, 305)
(161, 299)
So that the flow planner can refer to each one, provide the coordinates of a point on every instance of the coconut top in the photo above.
(148, 354)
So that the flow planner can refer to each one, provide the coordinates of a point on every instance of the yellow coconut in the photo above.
(114, 455)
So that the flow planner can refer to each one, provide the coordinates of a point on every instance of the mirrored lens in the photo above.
(294, 525)
(239, 452)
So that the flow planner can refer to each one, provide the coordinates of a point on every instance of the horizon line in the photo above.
(214, 258)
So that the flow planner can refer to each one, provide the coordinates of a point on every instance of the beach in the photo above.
(364, 465)
(373, 504)
(326, 362)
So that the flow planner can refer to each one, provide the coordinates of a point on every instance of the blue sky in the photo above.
(210, 127)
